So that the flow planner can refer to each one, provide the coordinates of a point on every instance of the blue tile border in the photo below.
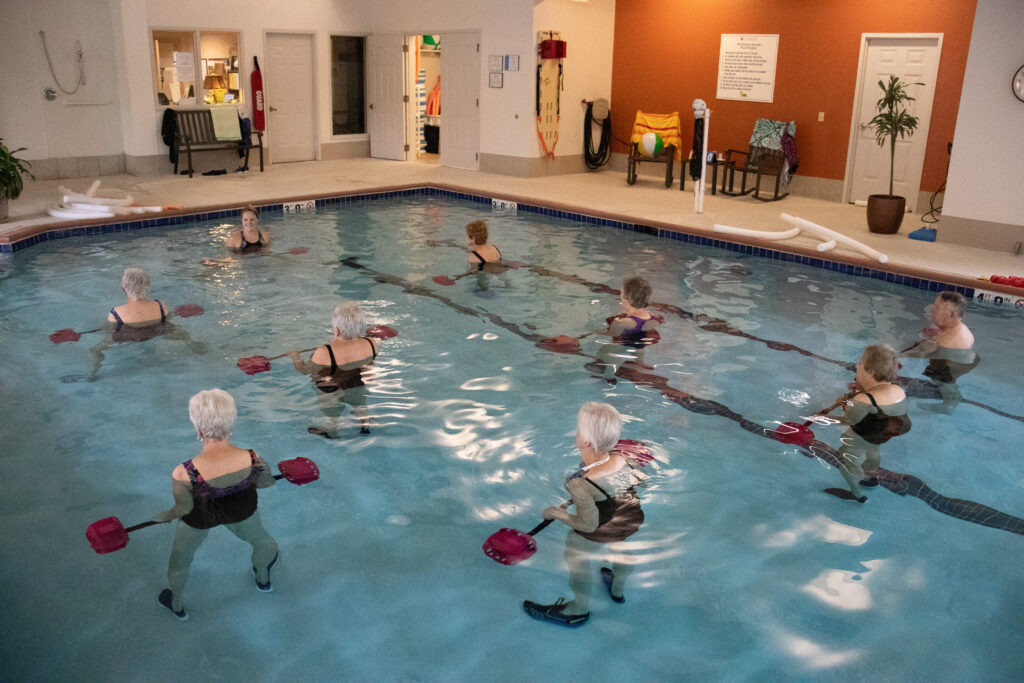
(700, 240)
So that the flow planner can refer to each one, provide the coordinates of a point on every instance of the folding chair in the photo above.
(668, 127)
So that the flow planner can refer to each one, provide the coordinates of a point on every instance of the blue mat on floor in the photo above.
(923, 234)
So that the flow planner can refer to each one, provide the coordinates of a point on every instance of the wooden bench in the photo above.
(196, 134)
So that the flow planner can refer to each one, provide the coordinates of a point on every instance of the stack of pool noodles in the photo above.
(83, 206)
(829, 237)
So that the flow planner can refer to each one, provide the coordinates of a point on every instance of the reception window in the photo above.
(196, 67)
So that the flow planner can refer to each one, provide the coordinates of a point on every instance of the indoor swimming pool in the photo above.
(744, 568)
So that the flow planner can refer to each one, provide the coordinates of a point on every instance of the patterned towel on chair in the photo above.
(777, 135)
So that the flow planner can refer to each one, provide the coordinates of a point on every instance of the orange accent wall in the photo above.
(666, 55)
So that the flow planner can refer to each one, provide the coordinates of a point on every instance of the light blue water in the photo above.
(745, 569)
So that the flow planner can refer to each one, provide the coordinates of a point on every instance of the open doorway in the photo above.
(406, 107)
(423, 122)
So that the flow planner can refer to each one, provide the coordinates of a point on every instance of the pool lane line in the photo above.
(897, 482)
(914, 386)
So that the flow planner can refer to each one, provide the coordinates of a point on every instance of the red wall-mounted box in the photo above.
(552, 49)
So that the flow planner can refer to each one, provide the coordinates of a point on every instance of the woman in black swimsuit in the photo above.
(340, 367)
(603, 492)
(217, 487)
(138, 319)
(250, 238)
(875, 415)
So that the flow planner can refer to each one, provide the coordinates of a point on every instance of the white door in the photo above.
(385, 91)
(915, 60)
(460, 100)
(291, 119)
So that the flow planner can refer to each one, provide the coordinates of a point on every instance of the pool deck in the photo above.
(604, 194)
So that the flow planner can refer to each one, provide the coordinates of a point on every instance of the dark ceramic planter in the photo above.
(885, 213)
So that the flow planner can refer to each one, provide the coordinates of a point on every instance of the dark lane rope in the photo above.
(915, 387)
(902, 484)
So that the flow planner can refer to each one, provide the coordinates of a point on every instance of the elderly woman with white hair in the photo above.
(603, 491)
(138, 319)
(138, 312)
(217, 487)
(340, 367)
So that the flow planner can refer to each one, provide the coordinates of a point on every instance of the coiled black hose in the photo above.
(603, 154)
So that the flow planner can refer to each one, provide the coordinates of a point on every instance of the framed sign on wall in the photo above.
(746, 67)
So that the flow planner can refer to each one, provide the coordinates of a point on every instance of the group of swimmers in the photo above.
(878, 409)
(218, 486)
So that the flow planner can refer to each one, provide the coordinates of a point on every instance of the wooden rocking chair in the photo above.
(766, 157)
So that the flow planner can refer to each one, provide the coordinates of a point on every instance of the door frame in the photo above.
(862, 59)
(315, 90)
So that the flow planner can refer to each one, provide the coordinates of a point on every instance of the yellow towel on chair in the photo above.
(665, 125)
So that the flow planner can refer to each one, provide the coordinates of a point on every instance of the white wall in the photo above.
(589, 31)
(986, 169)
(508, 119)
(115, 36)
(84, 124)
(505, 28)
(252, 19)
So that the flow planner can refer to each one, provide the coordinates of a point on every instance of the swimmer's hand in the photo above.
(552, 512)
(293, 354)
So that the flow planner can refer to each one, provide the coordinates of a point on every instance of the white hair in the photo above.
(349, 320)
(213, 413)
(135, 282)
(599, 424)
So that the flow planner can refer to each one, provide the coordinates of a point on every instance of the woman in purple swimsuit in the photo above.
(631, 330)
(217, 487)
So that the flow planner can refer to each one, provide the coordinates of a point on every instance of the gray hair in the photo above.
(135, 282)
(956, 300)
(599, 424)
(213, 413)
(880, 361)
(349, 320)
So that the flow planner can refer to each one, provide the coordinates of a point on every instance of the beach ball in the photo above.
(651, 144)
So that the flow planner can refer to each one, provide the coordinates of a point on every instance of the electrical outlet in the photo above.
(821, 116)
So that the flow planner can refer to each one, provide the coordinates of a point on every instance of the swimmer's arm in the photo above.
(182, 491)
(234, 240)
(265, 478)
(854, 411)
(585, 519)
(301, 366)
(617, 325)
(921, 349)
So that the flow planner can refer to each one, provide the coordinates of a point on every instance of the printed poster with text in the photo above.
(746, 67)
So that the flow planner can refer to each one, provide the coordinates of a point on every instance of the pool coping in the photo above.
(901, 274)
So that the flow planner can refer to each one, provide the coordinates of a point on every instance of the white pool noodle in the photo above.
(825, 246)
(92, 188)
(838, 237)
(759, 234)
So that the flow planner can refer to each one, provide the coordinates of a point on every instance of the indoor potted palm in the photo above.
(11, 170)
(885, 211)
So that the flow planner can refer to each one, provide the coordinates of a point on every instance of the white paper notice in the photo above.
(186, 64)
(746, 67)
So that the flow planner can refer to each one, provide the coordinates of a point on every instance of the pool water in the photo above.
(745, 569)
